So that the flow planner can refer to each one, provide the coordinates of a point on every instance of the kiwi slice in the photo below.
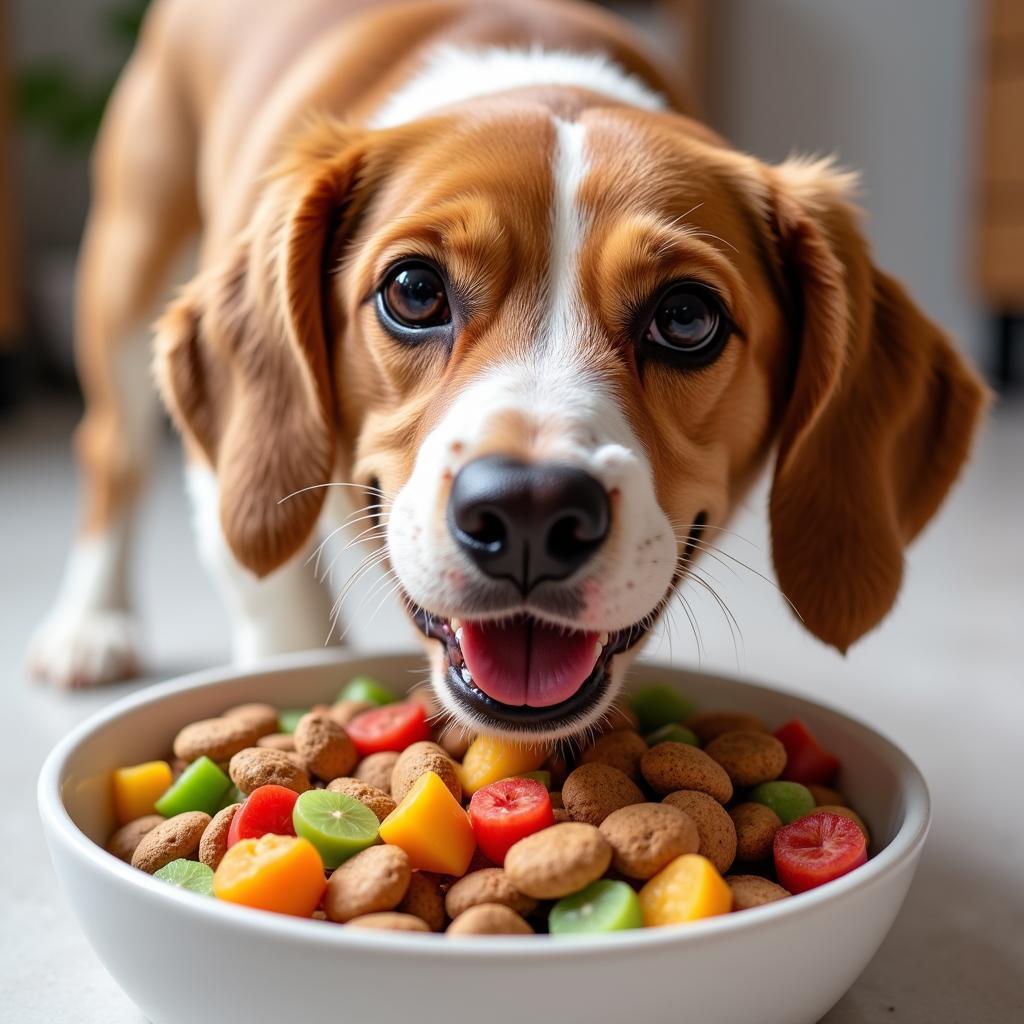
(338, 825)
(187, 874)
(367, 689)
(603, 906)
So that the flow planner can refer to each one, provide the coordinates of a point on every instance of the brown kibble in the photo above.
(345, 710)
(714, 826)
(847, 812)
(750, 891)
(558, 768)
(560, 814)
(262, 717)
(123, 842)
(593, 791)
(455, 741)
(558, 860)
(376, 799)
(670, 766)
(277, 741)
(489, 885)
(324, 746)
(214, 843)
(424, 899)
(215, 738)
(826, 796)
(258, 766)
(646, 837)
(376, 769)
(389, 921)
(418, 759)
(556, 799)
(489, 919)
(710, 724)
(374, 880)
(756, 826)
(176, 837)
(748, 758)
(621, 749)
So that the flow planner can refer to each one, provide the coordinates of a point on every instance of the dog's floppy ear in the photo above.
(879, 419)
(242, 355)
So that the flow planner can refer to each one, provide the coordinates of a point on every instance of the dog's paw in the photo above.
(84, 648)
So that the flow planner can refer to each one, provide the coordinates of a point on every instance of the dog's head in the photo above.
(562, 345)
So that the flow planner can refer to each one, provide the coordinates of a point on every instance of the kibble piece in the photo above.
(214, 842)
(376, 769)
(556, 765)
(216, 738)
(593, 791)
(558, 860)
(753, 891)
(390, 921)
(376, 799)
(277, 741)
(489, 885)
(621, 749)
(257, 766)
(489, 919)
(669, 767)
(826, 796)
(748, 757)
(422, 757)
(646, 837)
(324, 746)
(709, 724)
(123, 842)
(262, 717)
(561, 815)
(176, 837)
(756, 826)
(424, 899)
(345, 710)
(455, 741)
(370, 882)
(714, 826)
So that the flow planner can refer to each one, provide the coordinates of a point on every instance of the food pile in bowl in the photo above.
(363, 814)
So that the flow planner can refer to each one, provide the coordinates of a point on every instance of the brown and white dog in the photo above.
(474, 259)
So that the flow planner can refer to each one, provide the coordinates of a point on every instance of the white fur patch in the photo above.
(453, 74)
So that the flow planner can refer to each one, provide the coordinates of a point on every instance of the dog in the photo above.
(477, 262)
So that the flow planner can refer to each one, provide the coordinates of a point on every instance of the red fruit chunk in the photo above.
(392, 727)
(267, 810)
(807, 762)
(505, 812)
(816, 849)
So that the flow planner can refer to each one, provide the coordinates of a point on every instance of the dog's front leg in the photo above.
(287, 610)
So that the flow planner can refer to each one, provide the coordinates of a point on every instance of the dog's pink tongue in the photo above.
(527, 662)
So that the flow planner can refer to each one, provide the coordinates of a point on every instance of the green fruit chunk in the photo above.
(656, 706)
(672, 733)
(200, 787)
(603, 906)
(789, 800)
(544, 778)
(366, 689)
(335, 823)
(288, 719)
(187, 874)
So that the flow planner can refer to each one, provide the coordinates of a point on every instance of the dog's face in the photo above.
(560, 349)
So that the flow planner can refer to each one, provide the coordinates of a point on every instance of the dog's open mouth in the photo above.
(523, 670)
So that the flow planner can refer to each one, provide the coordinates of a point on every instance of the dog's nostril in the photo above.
(527, 522)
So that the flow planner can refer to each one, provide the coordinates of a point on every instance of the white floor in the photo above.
(944, 675)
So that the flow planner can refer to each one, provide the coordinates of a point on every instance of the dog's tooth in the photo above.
(458, 635)
(455, 624)
(603, 639)
(466, 676)
(597, 650)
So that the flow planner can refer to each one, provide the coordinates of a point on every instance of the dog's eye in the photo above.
(413, 297)
(688, 326)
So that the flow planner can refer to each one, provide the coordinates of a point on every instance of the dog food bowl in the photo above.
(184, 957)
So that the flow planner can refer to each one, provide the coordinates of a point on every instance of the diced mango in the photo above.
(138, 787)
(279, 873)
(687, 889)
(432, 828)
(489, 759)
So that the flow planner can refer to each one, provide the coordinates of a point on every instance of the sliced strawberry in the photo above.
(816, 849)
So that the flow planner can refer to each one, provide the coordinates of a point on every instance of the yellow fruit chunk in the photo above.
(687, 889)
(432, 828)
(138, 787)
(279, 873)
(489, 759)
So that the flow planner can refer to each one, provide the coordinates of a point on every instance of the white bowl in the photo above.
(183, 957)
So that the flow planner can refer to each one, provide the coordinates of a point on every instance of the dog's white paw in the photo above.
(83, 648)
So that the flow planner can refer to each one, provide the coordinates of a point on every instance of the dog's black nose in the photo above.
(527, 523)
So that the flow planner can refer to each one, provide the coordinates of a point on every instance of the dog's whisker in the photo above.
(366, 488)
